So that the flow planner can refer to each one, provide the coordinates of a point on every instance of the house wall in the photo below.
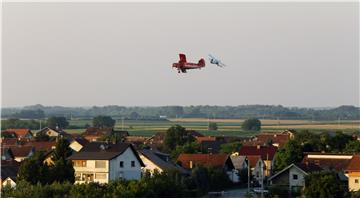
(91, 169)
(352, 177)
(281, 179)
(149, 165)
(300, 181)
(52, 133)
(75, 146)
(8, 180)
(127, 172)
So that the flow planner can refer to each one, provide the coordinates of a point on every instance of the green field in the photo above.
(225, 127)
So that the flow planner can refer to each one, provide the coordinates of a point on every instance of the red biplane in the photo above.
(183, 65)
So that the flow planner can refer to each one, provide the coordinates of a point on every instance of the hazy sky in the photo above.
(84, 54)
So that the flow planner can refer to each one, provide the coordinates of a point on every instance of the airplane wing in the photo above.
(211, 56)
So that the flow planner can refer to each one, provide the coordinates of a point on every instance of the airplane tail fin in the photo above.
(182, 58)
(202, 62)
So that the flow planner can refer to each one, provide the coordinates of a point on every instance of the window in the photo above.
(356, 181)
(132, 163)
(100, 175)
(121, 164)
(100, 164)
(79, 163)
(295, 177)
(77, 177)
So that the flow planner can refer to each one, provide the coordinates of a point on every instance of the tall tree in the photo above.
(252, 124)
(33, 170)
(62, 169)
(103, 121)
(60, 122)
(323, 185)
(290, 153)
(176, 135)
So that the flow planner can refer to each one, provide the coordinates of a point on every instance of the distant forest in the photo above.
(162, 112)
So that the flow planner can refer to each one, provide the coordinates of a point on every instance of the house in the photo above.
(190, 161)
(211, 146)
(257, 167)
(266, 139)
(57, 132)
(157, 161)
(9, 170)
(21, 152)
(156, 141)
(19, 133)
(94, 133)
(353, 172)
(240, 163)
(6, 154)
(78, 143)
(266, 153)
(329, 161)
(293, 176)
(135, 140)
(204, 138)
(102, 162)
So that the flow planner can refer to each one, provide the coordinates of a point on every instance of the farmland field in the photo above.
(226, 127)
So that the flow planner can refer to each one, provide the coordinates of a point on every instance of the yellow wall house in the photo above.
(102, 162)
(353, 171)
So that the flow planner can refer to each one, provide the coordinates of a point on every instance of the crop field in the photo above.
(226, 127)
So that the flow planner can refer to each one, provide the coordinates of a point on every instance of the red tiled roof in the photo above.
(205, 138)
(206, 160)
(42, 145)
(354, 164)
(8, 141)
(328, 163)
(19, 132)
(264, 138)
(266, 152)
(21, 151)
(253, 159)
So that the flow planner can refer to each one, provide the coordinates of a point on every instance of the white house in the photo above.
(102, 162)
(293, 176)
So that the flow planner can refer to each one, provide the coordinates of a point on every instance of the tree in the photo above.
(60, 122)
(252, 124)
(191, 147)
(339, 141)
(323, 185)
(176, 135)
(33, 170)
(290, 153)
(42, 137)
(230, 147)
(213, 126)
(352, 147)
(103, 121)
(62, 170)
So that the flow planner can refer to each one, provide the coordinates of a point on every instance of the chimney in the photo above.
(191, 165)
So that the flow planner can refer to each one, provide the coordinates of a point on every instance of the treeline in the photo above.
(155, 113)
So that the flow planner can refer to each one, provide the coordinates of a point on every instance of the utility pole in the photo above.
(122, 123)
(248, 164)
